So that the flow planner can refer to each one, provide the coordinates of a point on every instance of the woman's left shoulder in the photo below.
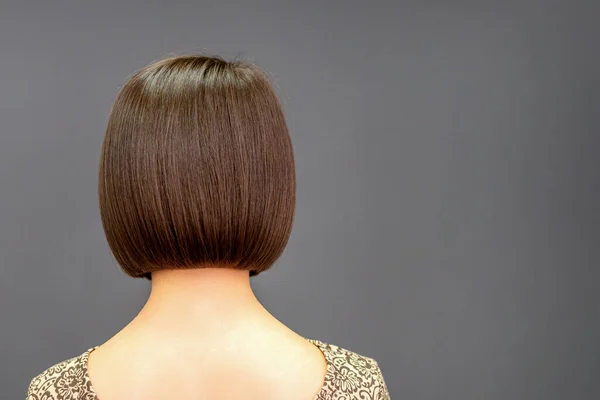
(350, 372)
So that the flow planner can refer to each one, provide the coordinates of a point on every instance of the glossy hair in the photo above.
(197, 169)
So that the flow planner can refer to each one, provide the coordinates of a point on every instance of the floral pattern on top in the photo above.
(349, 376)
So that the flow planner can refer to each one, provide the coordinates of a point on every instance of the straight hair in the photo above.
(197, 169)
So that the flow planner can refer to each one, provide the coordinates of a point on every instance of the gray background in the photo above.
(448, 182)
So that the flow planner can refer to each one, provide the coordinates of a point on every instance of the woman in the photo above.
(197, 193)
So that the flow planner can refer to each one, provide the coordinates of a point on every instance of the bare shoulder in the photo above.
(65, 380)
(350, 374)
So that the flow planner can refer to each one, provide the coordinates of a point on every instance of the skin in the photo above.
(203, 334)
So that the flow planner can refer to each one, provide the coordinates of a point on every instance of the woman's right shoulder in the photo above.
(67, 379)
(350, 374)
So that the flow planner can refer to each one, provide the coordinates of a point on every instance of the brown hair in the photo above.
(197, 169)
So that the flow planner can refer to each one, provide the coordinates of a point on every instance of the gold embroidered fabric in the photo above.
(349, 376)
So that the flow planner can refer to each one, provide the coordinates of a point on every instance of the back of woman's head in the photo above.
(197, 169)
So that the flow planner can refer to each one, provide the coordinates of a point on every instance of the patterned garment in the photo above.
(349, 376)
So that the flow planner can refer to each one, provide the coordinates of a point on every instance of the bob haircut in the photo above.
(197, 169)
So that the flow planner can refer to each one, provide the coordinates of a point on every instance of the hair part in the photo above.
(197, 169)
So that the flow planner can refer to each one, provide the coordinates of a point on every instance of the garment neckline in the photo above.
(317, 343)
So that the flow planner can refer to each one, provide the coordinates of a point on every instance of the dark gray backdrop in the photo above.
(448, 187)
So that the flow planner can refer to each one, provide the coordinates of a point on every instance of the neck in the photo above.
(200, 298)
(201, 287)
